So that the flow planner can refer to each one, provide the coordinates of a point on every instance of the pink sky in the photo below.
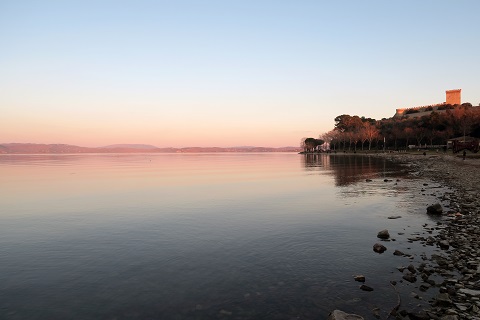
(244, 73)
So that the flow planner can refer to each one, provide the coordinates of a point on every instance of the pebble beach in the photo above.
(451, 276)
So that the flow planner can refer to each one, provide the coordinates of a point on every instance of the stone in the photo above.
(383, 234)
(450, 317)
(225, 312)
(470, 292)
(394, 217)
(444, 244)
(443, 299)
(366, 288)
(377, 247)
(359, 278)
(340, 315)
(398, 253)
(410, 277)
(435, 209)
(424, 287)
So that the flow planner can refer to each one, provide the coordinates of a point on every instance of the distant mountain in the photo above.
(129, 146)
(32, 148)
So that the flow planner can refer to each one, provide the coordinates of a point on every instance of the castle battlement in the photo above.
(403, 110)
(453, 97)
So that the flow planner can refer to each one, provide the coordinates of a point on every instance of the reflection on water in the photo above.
(195, 236)
(348, 169)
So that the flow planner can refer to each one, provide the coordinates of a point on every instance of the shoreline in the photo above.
(456, 269)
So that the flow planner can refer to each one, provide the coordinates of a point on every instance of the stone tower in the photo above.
(454, 96)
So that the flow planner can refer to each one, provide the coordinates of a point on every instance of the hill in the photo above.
(129, 146)
(32, 148)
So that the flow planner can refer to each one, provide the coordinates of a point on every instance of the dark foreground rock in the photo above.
(383, 234)
(379, 248)
(340, 315)
(435, 209)
(366, 288)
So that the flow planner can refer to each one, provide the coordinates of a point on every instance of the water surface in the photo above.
(197, 236)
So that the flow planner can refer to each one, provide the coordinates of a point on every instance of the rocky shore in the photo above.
(448, 279)
(458, 266)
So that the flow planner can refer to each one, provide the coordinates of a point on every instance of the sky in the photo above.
(224, 73)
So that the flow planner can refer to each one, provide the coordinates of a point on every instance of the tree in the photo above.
(408, 132)
(464, 118)
(370, 133)
(309, 144)
(330, 137)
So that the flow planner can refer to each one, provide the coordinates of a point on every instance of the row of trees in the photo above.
(354, 132)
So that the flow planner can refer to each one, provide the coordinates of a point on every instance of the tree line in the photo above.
(434, 129)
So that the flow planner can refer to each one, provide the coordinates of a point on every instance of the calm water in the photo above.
(198, 236)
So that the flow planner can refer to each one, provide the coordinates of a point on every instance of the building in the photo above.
(452, 97)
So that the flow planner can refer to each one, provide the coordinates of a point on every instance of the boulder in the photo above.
(410, 277)
(359, 278)
(383, 234)
(377, 247)
(435, 209)
(340, 315)
(443, 300)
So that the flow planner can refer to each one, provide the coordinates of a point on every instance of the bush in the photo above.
(411, 111)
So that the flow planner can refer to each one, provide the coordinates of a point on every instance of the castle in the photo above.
(453, 97)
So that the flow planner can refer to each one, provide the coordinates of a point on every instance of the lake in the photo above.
(201, 236)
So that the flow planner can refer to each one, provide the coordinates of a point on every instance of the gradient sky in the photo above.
(224, 73)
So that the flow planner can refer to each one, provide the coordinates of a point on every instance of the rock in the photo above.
(470, 292)
(420, 315)
(444, 245)
(435, 209)
(359, 278)
(225, 312)
(368, 180)
(366, 288)
(461, 306)
(424, 287)
(450, 317)
(394, 217)
(398, 253)
(383, 234)
(443, 299)
(411, 268)
(340, 315)
(377, 247)
(410, 277)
